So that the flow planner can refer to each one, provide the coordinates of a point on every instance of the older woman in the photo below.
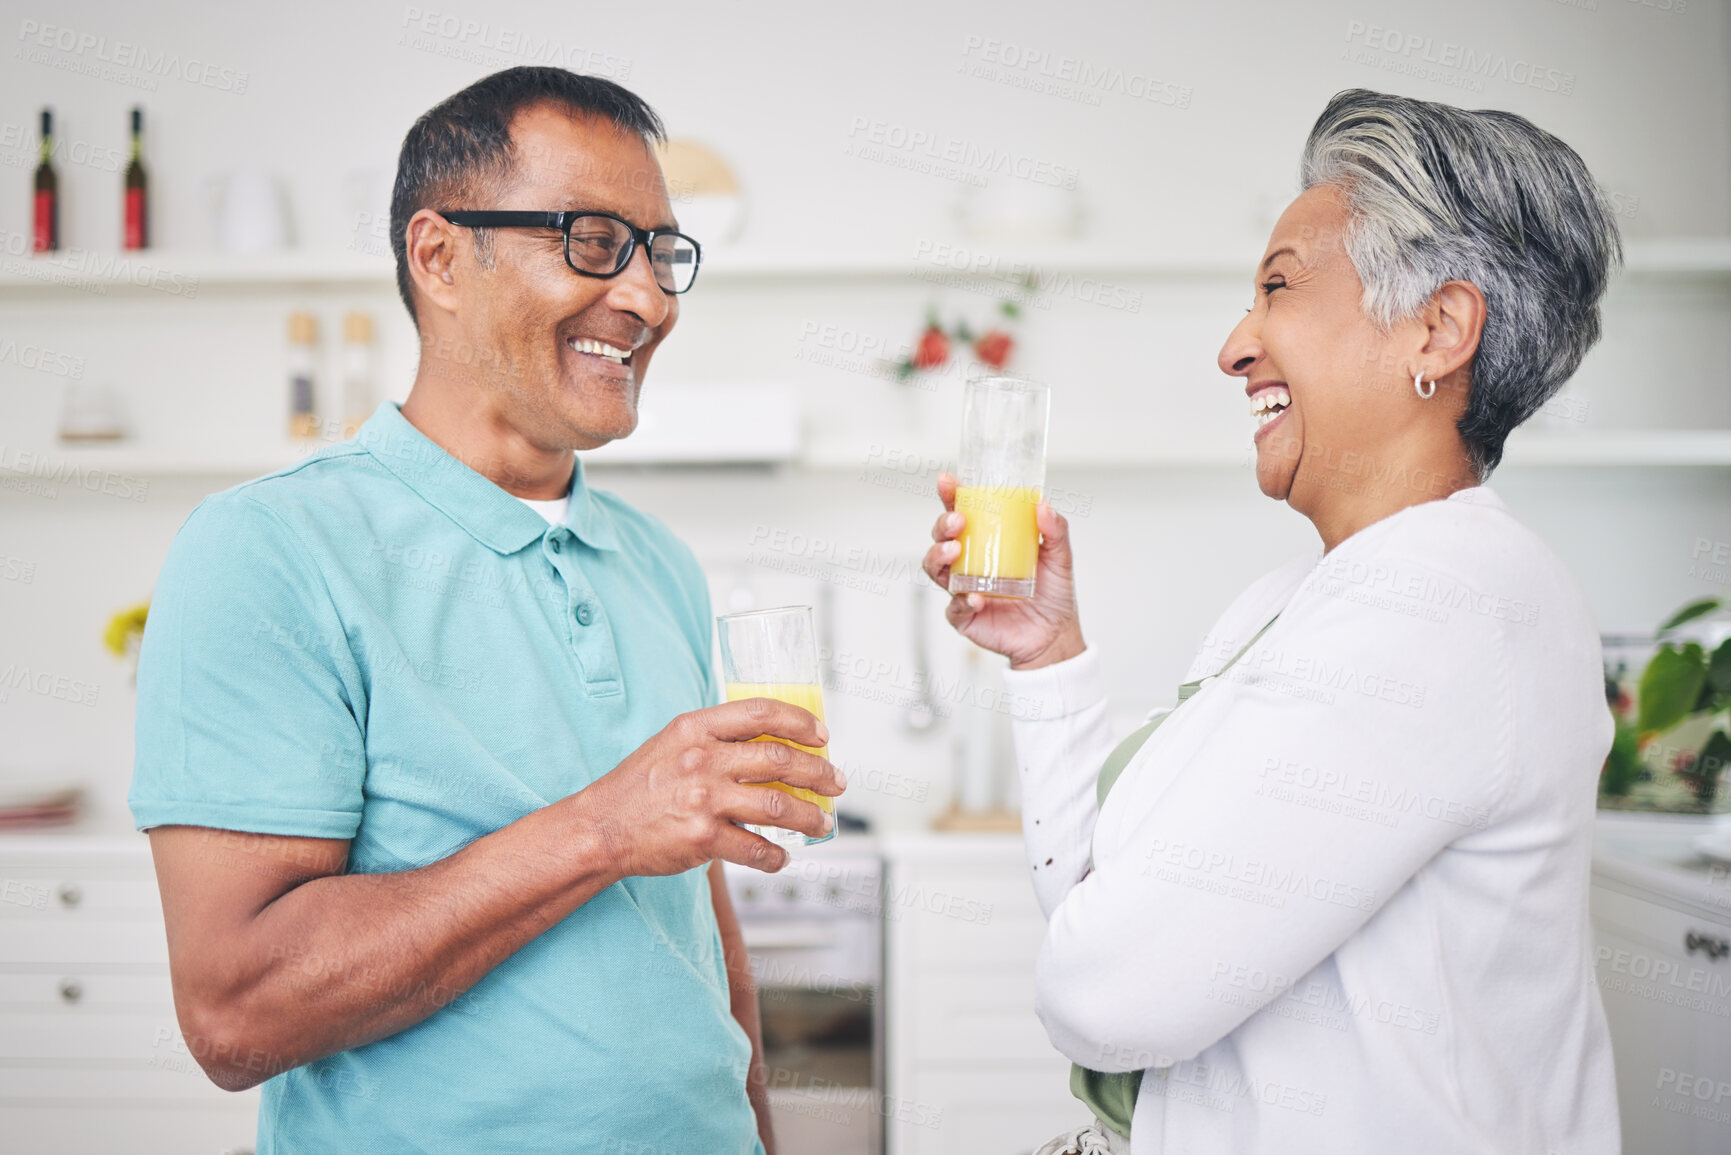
(1336, 900)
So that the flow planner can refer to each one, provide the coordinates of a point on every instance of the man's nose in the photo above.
(634, 290)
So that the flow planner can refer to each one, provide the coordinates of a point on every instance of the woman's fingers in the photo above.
(938, 560)
(1054, 530)
(949, 525)
(961, 609)
(947, 490)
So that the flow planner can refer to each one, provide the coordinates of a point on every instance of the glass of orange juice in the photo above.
(1001, 478)
(773, 654)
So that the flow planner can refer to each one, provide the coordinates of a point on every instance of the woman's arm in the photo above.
(1055, 692)
(1231, 856)
(1062, 736)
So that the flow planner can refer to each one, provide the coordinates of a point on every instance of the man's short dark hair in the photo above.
(462, 146)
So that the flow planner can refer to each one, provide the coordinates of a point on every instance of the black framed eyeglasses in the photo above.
(601, 244)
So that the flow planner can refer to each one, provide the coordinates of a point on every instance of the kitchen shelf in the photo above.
(118, 274)
(1663, 448)
(1632, 447)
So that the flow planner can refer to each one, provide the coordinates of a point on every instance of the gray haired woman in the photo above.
(1336, 900)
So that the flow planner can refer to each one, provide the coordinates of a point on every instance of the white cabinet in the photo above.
(91, 1058)
(1662, 953)
(969, 1066)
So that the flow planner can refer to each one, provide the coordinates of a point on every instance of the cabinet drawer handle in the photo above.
(71, 990)
(1713, 948)
(70, 894)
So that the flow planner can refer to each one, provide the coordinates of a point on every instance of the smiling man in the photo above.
(426, 745)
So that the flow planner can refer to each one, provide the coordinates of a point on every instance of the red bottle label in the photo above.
(135, 233)
(44, 238)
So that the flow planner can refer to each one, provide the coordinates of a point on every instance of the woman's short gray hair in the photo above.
(1436, 193)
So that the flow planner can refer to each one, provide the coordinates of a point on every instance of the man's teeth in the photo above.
(1269, 404)
(600, 349)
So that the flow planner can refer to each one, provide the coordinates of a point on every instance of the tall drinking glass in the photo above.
(773, 654)
(1003, 473)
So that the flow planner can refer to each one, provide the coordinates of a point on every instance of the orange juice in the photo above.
(805, 695)
(1000, 540)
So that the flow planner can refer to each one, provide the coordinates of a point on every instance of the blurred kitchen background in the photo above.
(1079, 191)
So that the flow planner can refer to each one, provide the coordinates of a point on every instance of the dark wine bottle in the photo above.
(46, 231)
(136, 233)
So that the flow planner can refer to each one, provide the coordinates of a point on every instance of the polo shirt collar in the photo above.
(485, 512)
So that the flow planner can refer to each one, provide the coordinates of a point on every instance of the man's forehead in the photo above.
(587, 159)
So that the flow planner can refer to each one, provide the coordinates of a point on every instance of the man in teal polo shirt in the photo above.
(427, 748)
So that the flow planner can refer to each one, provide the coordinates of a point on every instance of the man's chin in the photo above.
(592, 425)
(590, 437)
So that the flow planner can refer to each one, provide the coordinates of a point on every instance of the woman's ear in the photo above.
(1454, 322)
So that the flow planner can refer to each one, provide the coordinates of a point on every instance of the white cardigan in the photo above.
(1339, 900)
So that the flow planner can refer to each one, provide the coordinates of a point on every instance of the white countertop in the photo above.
(1654, 855)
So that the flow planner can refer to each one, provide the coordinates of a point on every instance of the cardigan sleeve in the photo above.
(1218, 856)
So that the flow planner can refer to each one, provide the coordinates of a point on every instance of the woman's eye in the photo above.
(1269, 286)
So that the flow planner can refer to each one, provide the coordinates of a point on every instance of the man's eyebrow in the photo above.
(572, 206)
(1284, 252)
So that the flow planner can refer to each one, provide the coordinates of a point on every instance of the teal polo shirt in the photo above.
(379, 644)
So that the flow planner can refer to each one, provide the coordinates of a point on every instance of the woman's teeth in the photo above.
(600, 349)
(1269, 404)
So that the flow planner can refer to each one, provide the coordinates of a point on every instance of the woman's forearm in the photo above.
(1062, 735)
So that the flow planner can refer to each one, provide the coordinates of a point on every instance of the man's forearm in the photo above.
(345, 959)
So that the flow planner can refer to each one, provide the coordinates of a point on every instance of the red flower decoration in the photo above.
(994, 348)
(933, 349)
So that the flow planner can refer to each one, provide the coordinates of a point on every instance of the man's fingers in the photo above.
(756, 762)
(772, 806)
(744, 848)
(751, 718)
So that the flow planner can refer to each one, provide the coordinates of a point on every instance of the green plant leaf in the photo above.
(1696, 609)
(1670, 685)
(1715, 755)
(1010, 309)
(1623, 764)
(1719, 668)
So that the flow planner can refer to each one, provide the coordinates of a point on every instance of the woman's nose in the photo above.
(1242, 349)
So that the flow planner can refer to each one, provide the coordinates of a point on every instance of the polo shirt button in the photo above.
(553, 544)
(585, 614)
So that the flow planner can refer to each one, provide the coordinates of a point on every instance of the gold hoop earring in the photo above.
(1418, 385)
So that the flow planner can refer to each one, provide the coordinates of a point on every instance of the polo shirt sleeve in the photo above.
(250, 704)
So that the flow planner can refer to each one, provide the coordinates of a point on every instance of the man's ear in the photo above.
(431, 251)
(1454, 322)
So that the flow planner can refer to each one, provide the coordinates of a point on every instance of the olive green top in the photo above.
(1112, 1096)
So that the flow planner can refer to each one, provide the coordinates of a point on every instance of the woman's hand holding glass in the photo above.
(1031, 632)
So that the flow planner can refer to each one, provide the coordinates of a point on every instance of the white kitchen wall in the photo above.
(1196, 168)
